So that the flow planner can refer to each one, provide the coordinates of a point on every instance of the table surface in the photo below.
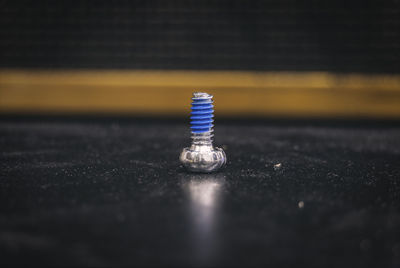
(112, 192)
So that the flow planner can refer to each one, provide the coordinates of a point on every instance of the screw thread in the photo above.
(202, 119)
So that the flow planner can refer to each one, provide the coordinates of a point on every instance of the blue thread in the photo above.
(202, 114)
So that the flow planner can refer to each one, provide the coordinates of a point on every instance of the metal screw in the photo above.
(201, 156)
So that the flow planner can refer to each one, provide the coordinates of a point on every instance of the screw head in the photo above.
(201, 158)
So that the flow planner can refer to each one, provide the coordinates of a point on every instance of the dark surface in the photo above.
(108, 192)
(338, 36)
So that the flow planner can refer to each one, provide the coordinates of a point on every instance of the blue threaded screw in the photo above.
(202, 156)
(202, 113)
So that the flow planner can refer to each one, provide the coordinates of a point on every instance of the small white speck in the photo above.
(277, 166)
(300, 204)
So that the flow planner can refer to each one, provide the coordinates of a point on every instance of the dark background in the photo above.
(338, 36)
(109, 190)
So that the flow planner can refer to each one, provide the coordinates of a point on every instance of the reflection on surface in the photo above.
(205, 192)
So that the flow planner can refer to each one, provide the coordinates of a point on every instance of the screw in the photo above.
(201, 156)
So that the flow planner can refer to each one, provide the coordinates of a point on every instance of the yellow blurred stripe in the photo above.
(244, 93)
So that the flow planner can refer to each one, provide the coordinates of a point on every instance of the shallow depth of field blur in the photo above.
(282, 59)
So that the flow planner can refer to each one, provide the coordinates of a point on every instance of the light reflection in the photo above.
(205, 195)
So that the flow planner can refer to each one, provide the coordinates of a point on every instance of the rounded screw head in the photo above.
(204, 159)
(202, 156)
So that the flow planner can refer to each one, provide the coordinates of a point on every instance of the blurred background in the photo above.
(272, 59)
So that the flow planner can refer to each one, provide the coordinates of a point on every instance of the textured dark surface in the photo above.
(339, 36)
(108, 192)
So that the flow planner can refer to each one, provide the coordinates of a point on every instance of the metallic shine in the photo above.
(201, 156)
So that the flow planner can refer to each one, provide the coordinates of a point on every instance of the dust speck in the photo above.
(300, 204)
(277, 166)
